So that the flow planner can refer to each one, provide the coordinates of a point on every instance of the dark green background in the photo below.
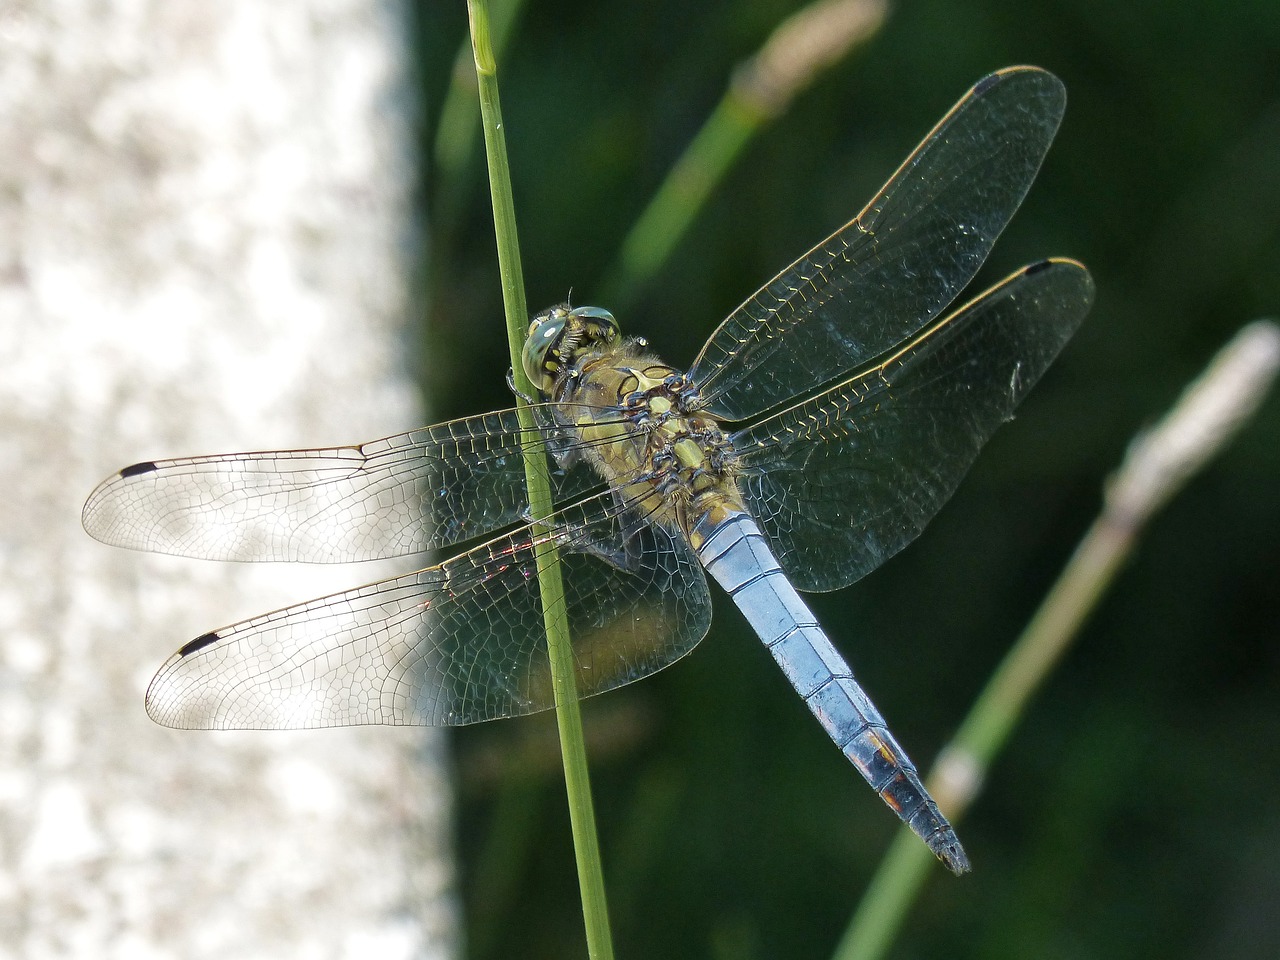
(1135, 813)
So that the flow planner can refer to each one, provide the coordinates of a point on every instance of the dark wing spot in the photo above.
(1037, 267)
(199, 643)
(147, 466)
(986, 83)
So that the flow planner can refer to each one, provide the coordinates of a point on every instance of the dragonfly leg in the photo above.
(623, 551)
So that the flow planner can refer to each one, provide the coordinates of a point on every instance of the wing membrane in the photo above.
(844, 481)
(452, 644)
(400, 495)
(891, 270)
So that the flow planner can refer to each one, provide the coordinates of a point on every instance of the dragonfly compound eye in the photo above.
(597, 324)
(541, 356)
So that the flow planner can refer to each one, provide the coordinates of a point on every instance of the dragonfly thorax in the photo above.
(641, 425)
(638, 421)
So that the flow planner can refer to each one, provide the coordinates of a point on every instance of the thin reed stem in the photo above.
(551, 588)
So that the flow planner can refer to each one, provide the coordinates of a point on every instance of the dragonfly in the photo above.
(823, 424)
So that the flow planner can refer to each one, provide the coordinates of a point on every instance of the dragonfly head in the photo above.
(558, 335)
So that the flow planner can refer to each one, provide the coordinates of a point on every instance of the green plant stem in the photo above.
(678, 200)
(455, 142)
(551, 588)
(964, 762)
(763, 87)
(1159, 462)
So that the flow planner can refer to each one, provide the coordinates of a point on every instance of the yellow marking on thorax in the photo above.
(689, 453)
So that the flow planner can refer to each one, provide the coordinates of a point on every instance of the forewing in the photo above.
(452, 644)
(846, 480)
(400, 495)
(889, 272)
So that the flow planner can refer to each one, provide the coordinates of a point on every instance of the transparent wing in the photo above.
(400, 495)
(845, 480)
(882, 277)
(452, 644)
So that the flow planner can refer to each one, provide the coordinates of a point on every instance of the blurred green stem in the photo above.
(1158, 463)
(455, 141)
(960, 768)
(551, 589)
(803, 45)
(667, 217)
